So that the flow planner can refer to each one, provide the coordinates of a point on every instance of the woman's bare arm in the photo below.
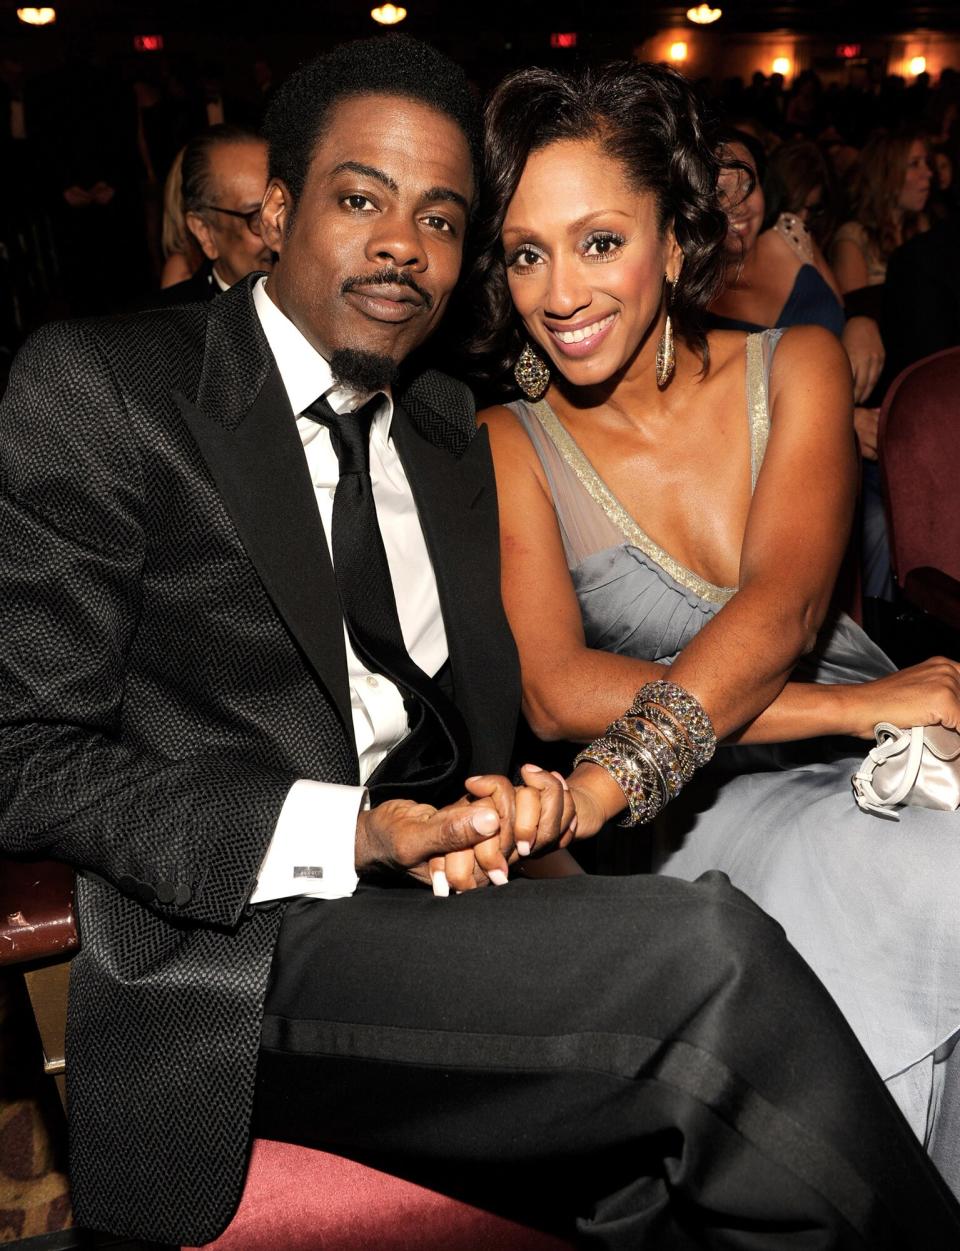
(849, 265)
(739, 663)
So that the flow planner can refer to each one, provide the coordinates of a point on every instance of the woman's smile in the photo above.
(583, 338)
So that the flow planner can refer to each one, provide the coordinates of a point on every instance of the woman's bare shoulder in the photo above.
(811, 347)
(509, 441)
(497, 416)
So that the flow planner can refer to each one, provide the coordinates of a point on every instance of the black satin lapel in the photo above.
(456, 501)
(261, 473)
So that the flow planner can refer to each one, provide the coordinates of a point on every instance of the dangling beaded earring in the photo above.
(666, 359)
(531, 373)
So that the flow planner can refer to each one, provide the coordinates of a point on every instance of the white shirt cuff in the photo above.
(313, 846)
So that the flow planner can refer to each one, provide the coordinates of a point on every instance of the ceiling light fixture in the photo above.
(37, 17)
(703, 15)
(388, 14)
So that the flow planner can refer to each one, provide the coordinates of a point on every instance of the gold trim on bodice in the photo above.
(601, 494)
(756, 406)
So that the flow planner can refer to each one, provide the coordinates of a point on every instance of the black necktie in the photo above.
(370, 607)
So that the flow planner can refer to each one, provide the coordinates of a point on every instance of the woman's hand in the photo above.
(537, 816)
(866, 423)
(861, 338)
(924, 694)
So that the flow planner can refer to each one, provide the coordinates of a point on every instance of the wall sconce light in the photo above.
(388, 14)
(703, 15)
(37, 17)
(678, 51)
(918, 65)
(781, 65)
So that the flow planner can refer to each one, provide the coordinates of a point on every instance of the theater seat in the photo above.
(305, 1200)
(919, 452)
(294, 1198)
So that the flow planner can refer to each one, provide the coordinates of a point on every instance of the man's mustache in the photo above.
(387, 277)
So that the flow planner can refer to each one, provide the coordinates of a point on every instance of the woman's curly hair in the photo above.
(649, 119)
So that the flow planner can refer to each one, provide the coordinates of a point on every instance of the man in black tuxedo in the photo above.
(193, 692)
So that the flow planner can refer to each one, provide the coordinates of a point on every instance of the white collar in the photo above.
(304, 372)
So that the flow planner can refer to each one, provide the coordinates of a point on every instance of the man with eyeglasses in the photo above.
(224, 178)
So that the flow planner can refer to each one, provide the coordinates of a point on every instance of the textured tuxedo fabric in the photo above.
(172, 661)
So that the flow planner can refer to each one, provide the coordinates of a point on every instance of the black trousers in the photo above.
(646, 1056)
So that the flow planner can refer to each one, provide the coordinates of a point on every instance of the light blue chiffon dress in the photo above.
(871, 903)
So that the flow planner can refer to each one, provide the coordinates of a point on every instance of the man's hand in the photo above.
(538, 816)
(402, 835)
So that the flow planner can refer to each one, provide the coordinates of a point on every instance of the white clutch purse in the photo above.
(920, 766)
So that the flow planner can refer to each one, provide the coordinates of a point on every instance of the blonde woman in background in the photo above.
(181, 255)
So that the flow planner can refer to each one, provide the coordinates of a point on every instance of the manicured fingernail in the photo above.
(561, 779)
(533, 768)
(523, 848)
(573, 826)
(485, 821)
(441, 887)
(475, 778)
(498, 877)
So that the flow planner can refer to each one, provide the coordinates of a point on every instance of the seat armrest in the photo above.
(936, 593)
(37, 919)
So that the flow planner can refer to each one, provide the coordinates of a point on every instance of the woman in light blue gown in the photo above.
(695, 517)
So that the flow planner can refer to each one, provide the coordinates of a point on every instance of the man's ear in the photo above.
(199, 227)
(276, 213)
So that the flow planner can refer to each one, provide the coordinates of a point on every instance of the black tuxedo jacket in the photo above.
(171, 660)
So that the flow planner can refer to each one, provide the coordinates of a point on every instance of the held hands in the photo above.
(539, 816)
(545, 814)
(924, 694)
(467, 843)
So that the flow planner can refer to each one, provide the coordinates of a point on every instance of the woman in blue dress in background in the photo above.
(687, 505)
(777, 277)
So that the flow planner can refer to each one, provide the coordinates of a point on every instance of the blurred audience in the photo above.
(921, 297)
(83, 130)
(800, 181)
(224, 176)
(181, 252)
(776, 275)
(890, 190)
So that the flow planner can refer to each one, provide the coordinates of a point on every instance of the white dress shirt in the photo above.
(317, 825)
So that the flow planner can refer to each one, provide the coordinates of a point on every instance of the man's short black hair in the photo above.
(393, 65)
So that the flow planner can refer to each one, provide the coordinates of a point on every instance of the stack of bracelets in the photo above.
(653, 750)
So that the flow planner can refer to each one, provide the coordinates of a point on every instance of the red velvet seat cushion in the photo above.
(920, 465)
(305, 1200)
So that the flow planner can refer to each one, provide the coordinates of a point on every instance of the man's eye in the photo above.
(358, 202)
(439, 223)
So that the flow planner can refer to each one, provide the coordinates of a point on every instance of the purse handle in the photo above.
(889, 739)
